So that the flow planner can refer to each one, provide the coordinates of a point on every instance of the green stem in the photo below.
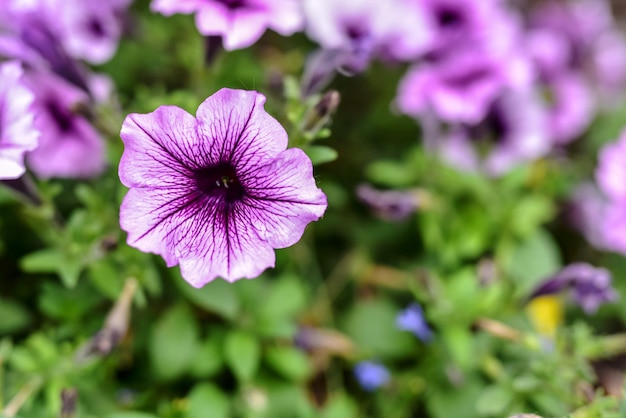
(25, 392)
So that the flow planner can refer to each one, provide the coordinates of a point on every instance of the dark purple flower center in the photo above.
(220, 180)
(96, 27)
(233, 4)
(63, 118)
(449, 17)
(469, 77)
(494, 129)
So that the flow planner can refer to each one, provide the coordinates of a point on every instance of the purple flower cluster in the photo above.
(590, 286)
(56, 91)
(215, 193)
(492, 87)
(600, 210)
(240, 23)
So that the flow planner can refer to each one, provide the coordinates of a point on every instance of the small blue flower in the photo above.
(371, 375)
(412, 319)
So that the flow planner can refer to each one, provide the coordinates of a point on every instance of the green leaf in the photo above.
(208, 359)
(207, 401)
(371, 324)
(289, 362)
(458, 341)
(320, 154)
(242, 354)
(59, 302)
(52, 260)
(218, 296)
(533, 260)
(105, 277)
(173, 343)
(528, 213)
(13, 316)
(389, 173)
(340, 406)
(493, 401)
(285, 298)
(43, 261)
(457, 401)
(130, 414)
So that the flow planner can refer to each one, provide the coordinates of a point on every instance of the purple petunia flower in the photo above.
(371, 375)
(18, 133)
(571, 108)
(461, 24)
(412, 319)
(365, 29)
(513, 132)
(601, 213)
(611, 171)
(91, 30)
(240, 22)
(48, 35)
(216, 193)
(69, 145)
(462, 86)
(590, 286)
(582, 37)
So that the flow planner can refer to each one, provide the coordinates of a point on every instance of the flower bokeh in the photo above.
(430, 196)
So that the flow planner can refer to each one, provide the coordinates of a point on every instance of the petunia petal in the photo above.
(283, 199)
(159, 148)
(233, 126)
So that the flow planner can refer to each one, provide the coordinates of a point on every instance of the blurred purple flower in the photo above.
(571, 107)
(600, 213)
(69, 145)
(29, 33)
(91, 30)
(371, 375)
(611, 170)
(460, 87)
(513, 132)
(216, 193)
(392, 205)
(586, 212)
(49, 34)
(583, 37)
(590, 286)
(18, 133)
(361, 30)
(240, 22)
(412, 319)
(462, 24)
